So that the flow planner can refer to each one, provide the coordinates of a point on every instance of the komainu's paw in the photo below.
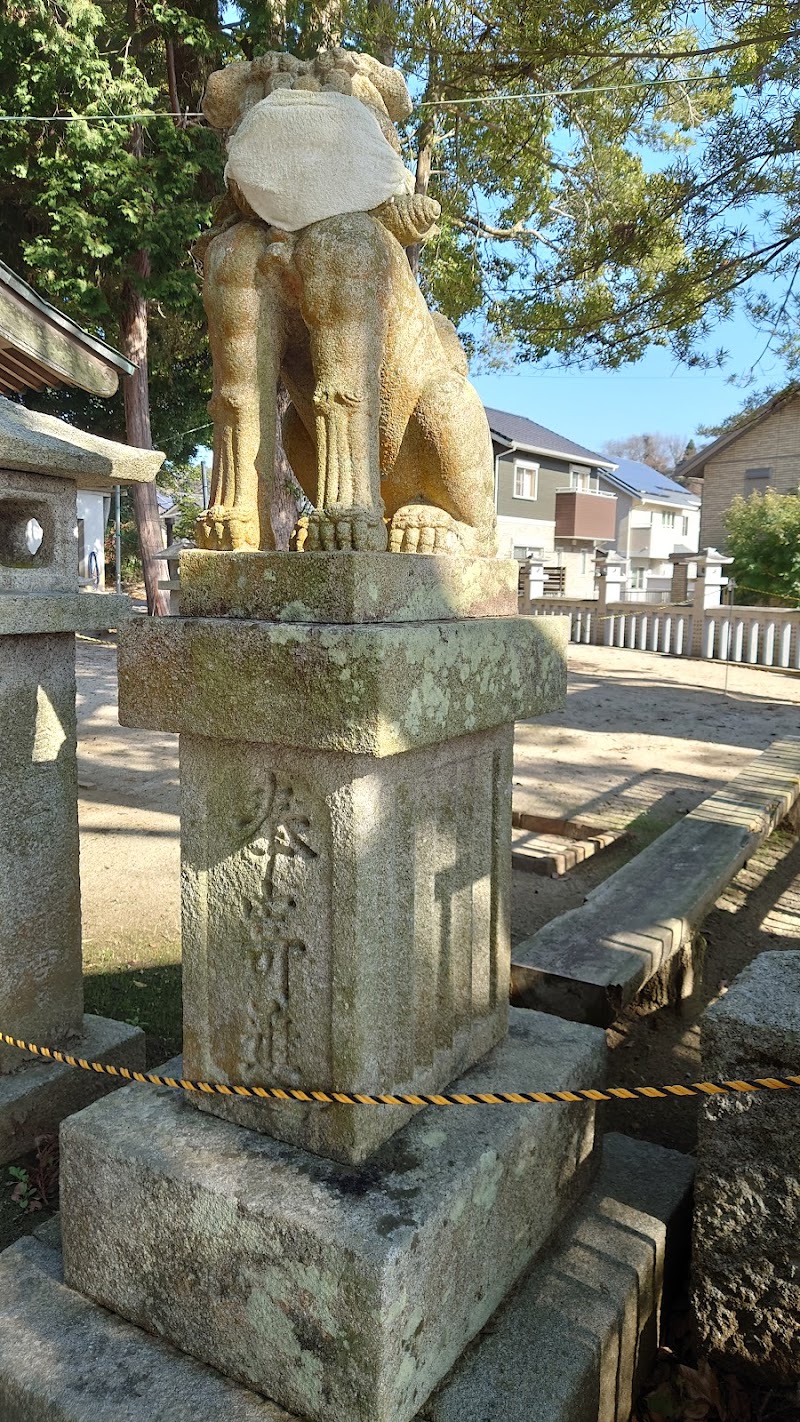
(337, 528)
(225, 529)
(422, 528)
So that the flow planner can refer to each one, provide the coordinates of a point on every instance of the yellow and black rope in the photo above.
(439, 1098)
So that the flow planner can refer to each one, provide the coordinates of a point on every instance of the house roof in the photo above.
(40, 346)
(646, 483)
(518, 430)
(695, 464)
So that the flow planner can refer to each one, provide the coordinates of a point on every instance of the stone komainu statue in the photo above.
(307, 282)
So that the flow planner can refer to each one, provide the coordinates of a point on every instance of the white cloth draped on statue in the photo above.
(298, 157)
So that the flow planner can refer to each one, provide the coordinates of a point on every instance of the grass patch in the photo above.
(146, 996)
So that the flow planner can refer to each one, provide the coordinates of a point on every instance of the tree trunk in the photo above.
(133, 345)
(382, 25)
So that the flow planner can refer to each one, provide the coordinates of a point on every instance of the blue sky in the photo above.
(654, 395)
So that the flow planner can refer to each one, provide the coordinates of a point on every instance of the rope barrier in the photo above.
(458, 1098)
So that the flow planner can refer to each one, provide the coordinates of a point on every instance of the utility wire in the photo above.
(426, 103)
(569, 93)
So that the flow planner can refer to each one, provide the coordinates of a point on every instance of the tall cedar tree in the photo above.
(100, 212)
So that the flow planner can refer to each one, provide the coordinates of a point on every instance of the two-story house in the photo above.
(549, 500)
(655, 517)
(762, 452)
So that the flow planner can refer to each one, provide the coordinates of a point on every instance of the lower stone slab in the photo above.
(337, 1291)
(63, 1359)
(35, 1099)
(575, 1340)
(569, 1345)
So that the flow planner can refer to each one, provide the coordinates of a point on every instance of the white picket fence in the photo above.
(761, 636)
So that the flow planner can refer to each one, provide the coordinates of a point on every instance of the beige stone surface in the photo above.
(364, 587)
(342, 1293)
(571, 1344)
(30, 441)
(41, 993)
(373, 690)
(746, 1285)
(63, 1359)
(345, 925)
(384, 434)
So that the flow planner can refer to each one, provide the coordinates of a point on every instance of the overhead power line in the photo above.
(700, 79)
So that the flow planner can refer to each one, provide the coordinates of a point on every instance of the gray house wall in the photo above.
(553, 475)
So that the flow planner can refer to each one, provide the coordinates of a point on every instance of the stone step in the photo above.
(576, 1338)
(36, 1098)
(589, 963)
(569, 1345)
(63, 1359)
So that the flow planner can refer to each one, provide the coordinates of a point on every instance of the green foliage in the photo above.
(593, 225)
(585, 225)
(763, 536)
(79, 200)
(34, 1185)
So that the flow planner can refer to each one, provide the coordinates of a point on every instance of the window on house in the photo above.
(637, 578)
(525, 481)
(522, 554)
(583, 479)
(755, 479)
(685, 526)
(668, 520)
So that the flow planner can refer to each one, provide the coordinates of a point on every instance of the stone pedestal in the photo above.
(338, 1292)
(41, 989)
(345, 822)
(346, 737)
(573, 1342)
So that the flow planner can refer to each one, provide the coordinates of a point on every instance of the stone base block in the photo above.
(575, 1340)
(63, 1359)
(337, 1291)
(363, 587)
(569, 1345)
(35, 1099)
(746, 1258)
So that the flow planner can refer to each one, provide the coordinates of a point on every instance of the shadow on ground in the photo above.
(147, 997)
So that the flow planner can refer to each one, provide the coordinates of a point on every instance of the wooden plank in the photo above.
(587, 964)
(30, 333)
(23, 369)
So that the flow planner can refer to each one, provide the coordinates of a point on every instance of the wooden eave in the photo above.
(40, 347)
